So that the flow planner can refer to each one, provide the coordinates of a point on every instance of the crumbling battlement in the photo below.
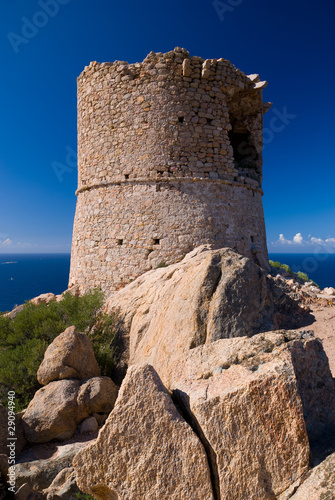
(169, 157)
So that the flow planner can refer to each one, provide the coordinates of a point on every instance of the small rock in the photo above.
(60, 406)
(97, 395)
(12, 314)
(23, 492)
(40, 465)
(44, 297)
(63, 487)
(70, 355)
(53, 412)
(329, 290)
(88, 426)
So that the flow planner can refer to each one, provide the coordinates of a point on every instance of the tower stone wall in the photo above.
(169, 157)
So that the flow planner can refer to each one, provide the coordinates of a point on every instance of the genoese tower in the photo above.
(169, 158)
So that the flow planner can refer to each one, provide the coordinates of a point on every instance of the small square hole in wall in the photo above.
(181, 119)
(209, 121)
(156, 241)
(126, 176)
(120, 242)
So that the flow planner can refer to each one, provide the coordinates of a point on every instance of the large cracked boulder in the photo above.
(145, 450)
(70, 355)
(209, 295)
(250, 400)
(58, 408)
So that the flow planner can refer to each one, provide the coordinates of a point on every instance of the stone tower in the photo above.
(169, 158)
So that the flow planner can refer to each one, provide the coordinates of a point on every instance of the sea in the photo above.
(24, 276)
(319, 267)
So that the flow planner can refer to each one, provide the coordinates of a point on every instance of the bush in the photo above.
(84, 496)
(161, 264)
(281, 266)
(300, 274)
(303, 276)
(24, 339)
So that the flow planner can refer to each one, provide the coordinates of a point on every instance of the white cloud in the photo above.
(312, 241)
(24, 245)
(283, 240)
(298, 239)
(316, 241)
(7, 242)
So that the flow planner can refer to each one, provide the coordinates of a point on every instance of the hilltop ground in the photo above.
(324, 328)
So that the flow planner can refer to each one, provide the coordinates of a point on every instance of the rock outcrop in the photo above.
(70, 355)
(305, 363)
(247, 414)
(254, 403)
(45, 298)
(145, 450)
(251, 400)
(209, 295)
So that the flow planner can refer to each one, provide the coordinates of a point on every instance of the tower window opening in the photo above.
(126, 176)
(181, 119)
(120, 242)
(156, 241)
(209, 121)
(245, 154)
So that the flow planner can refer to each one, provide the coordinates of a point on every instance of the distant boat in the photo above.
(11, 279)
(2, 263)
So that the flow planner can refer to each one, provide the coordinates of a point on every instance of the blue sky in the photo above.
(45, 45)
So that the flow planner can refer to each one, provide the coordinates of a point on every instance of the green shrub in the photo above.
(299, 274)
(281, 266)
(84, 496)
(302, 276)
(161, 264)
(24, 339)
